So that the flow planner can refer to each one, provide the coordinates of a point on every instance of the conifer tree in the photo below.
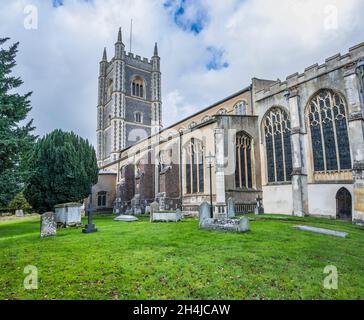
(16, 137)
(64, 169)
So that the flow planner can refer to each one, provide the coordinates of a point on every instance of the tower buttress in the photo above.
(100, 107)
(118, 98)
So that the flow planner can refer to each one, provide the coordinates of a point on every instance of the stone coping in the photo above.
(70, 204)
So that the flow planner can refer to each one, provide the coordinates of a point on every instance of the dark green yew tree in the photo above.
(64, 169)
(16, 139)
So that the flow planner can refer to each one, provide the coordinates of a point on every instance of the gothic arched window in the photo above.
(138, 87)
(326, 115)
(243, 157)
(277, 132)
(241, 108)
(194, 167)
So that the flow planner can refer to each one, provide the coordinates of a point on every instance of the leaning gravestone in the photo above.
(204, 212)
(19, 213)
(231, 208)
(48, 225)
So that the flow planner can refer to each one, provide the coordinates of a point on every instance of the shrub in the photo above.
(19, 203)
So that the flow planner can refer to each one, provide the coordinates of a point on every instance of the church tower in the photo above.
(129, 101)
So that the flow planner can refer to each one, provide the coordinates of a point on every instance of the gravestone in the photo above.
(179, 214)
(231, 208)
(19, 213)
(154, 207)
(204, 212)
(243, 225)
(147, 210)
(48, 225)
(259, 208)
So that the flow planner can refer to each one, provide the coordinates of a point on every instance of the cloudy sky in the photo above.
(209, 48)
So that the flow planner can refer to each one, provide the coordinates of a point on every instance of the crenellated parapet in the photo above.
(331, 64)
(138, 62)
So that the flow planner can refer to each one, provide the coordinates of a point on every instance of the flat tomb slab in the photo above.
(165, 216)
(323, 231)
(229, 225)
(126, 218)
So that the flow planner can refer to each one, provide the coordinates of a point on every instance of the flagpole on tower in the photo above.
(131, 34)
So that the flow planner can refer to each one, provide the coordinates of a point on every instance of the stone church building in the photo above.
(298, 144)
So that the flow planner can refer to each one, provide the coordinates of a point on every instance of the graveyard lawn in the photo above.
(140, 260)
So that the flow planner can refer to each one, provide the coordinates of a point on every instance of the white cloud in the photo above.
(262, 38)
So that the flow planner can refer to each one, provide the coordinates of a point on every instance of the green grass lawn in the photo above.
(141, 260)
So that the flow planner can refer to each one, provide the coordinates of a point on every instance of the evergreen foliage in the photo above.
(64, 169)
(19, 203)
(16, 139)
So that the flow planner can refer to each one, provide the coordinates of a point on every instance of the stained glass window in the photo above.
(329, 132)
(243, 170)
(194, 167)
(277, 131)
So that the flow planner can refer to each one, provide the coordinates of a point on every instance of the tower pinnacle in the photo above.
(156, 49)
(104, 56)
(120, 38)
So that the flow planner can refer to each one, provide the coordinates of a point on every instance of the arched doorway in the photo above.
(343, 205)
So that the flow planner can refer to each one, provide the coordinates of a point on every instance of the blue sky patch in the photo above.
(216, 59)
(57, 3)
(188, 15)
